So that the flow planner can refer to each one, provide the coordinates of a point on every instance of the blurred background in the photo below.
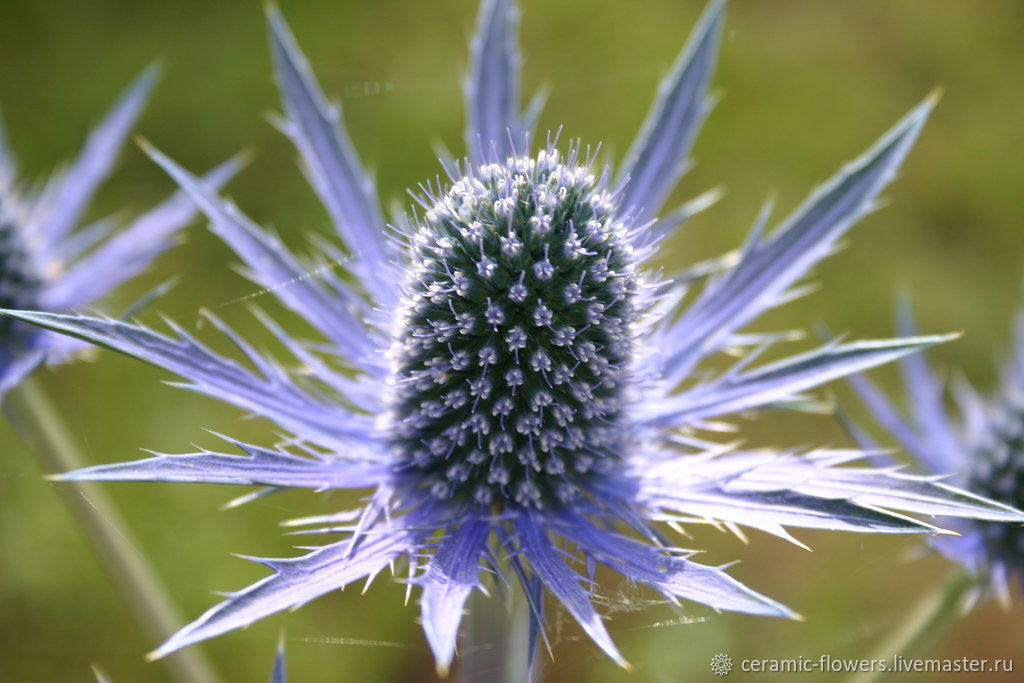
(806, 86)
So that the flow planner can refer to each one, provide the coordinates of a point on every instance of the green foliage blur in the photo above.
(805, 87)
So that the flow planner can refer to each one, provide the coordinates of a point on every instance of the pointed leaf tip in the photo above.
(139, 89)
(316, 127)
(277, 673)
(73, 189)
(775, 263)
(494, 125)
(144, 144)
(781, 380)
(658, 155)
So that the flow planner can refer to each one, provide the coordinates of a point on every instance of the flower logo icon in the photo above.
(721, 664)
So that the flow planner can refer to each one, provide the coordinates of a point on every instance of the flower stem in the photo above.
(496, 647)
(924, 623)
(39, 422)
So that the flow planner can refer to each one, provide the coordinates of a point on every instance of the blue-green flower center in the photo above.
(997, 472)
(515, 335)
(18, 281)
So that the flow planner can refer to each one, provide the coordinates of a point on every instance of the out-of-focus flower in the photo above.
(979, 447)
(48, 261)
(514, 384)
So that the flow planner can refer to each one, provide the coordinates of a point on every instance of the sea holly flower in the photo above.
(979, 447)
(48, 261)
(510, 379)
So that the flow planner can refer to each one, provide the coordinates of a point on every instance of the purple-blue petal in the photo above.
(669, 574)
(272, 266)
(770, 267)
(563, 581)
(659, 154)
(492, 86)
(262, 466)
(770, 491)
(296, 581)
(331, 162)
(887, 415)
(131, 250)
(14, 367)
(451, 575)
(278, 674)
(73, 189)
(773, 511)
(944, 453)
(780, 381)
(272, 395)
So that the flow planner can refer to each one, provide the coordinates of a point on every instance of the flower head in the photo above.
(19, 279)
(508, 377)
(514, 340)
(48, 263)
(980, 447)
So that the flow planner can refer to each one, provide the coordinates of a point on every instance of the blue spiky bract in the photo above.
(516, 388)
(50, 261)
(979, 447)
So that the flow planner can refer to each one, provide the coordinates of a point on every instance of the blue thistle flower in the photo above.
(507, 376)
(47, 263)
(979, 447)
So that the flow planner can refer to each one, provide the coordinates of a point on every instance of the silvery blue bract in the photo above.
(511, 380)
(48, 261)
(980, 447)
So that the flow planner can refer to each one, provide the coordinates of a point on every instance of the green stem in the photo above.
(496, 647)
(38, 420)
(923, 624)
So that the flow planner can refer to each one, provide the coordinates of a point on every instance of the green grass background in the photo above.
(806, 86)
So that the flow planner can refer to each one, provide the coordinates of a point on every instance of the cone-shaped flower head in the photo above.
(508, 376)
(981, 445)
(48, 261)
(514, 341)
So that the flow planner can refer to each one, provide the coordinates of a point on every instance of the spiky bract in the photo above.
(979, 447)
(50, 260)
